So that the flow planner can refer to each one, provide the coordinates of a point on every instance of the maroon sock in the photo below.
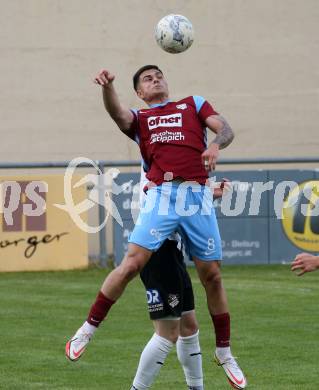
(99, 309)
(222, 329)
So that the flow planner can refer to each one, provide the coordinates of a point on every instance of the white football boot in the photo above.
(233, 372)
(75, 347)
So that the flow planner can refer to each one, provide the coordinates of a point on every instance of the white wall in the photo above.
(256, 61)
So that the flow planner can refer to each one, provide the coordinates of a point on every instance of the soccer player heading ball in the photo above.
(172, 140)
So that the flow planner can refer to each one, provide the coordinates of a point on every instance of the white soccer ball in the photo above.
(174, 33)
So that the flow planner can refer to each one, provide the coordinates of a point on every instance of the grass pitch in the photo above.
(275, 331)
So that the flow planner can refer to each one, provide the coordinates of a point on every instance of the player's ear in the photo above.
(139, 93)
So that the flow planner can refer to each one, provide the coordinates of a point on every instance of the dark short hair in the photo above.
(140, 71)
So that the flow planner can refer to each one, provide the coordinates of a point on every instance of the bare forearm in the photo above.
(225, 134)
(121, 115)
(111, 102)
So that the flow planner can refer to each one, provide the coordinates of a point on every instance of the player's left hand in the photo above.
(304, 262)
(210, 156)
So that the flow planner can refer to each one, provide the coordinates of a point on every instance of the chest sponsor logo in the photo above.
(173, 120)
(167, 136)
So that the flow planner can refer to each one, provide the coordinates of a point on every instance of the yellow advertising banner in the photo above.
(300, 216)
(36, 234)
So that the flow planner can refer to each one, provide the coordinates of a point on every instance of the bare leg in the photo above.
(112, 288)
(210, 276)
(116, 282)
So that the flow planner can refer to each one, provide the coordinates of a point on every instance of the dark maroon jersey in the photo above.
(172, 136)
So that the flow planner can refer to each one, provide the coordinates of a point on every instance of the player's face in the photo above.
(152, 86)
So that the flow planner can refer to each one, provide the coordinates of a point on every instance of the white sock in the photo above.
(223, 353)
(88, 328)
(190, 357)
(151, 361)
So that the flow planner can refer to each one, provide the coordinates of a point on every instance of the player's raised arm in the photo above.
(121, 115)
(224, 137)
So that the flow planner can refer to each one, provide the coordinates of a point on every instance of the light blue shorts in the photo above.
(186, 208)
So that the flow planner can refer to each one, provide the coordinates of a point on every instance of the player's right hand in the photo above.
(104, 78)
